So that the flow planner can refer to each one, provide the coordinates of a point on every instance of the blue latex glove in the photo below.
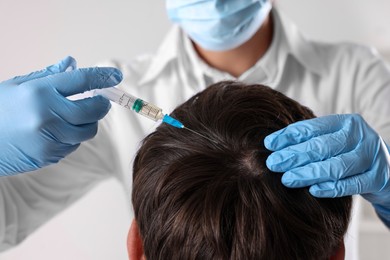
(336, 155)
(39, 125)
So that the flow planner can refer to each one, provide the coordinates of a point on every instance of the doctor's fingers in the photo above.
(68, 134)
(334, 169)
(314, 150)
(303, 130)
(81, 80)
(68, 63)
(82, 111)
(357, 184)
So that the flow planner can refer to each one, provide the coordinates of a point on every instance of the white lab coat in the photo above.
(328, 78)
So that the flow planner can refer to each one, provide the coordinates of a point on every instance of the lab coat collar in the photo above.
(178, 48)
(167, 52)
(298, 46)
(293, 43)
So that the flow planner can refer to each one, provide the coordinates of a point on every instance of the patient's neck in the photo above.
(242, 58)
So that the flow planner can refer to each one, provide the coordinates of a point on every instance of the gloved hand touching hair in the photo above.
(336, 155)
(39, 125)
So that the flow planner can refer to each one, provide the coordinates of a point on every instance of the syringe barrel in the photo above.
(151, 111)
(131, 102)
(118, 96)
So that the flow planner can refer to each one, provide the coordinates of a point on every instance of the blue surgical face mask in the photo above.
(219, 25)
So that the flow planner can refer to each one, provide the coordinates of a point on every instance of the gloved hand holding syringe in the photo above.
(141, 107)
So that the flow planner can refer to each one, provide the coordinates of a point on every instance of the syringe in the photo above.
(141, 107)
(137, 105)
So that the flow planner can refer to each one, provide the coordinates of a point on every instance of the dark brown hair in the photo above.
(196, 199)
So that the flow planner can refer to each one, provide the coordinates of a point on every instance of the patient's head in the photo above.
(197, 199)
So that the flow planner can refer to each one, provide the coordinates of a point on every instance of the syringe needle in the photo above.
(176, 123)
(200, 135)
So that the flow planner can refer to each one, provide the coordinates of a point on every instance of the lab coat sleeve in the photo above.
(373, 96)
(29, 200)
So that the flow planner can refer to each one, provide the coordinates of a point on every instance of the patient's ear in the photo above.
(340, 253)
(134, 243)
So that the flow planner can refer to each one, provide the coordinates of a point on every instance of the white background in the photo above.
(37, 33)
